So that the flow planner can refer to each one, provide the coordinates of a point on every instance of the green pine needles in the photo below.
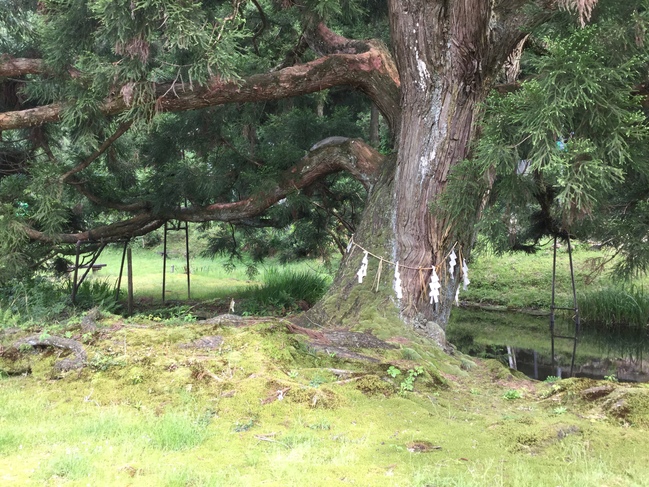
(565, 148)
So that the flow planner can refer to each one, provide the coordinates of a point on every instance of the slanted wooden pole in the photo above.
(76, 272)
(129, 276)
(121, 271)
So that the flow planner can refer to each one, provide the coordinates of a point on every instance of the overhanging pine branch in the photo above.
(372, 72)
(107, 143)
(331, 155)
(351, 155)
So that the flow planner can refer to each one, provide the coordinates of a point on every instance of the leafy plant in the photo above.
(393, 371)
(551, 379)
(95, 292)
(244, 425)
(614, 308)
(101, 362)
(408, 382)
(512, 394)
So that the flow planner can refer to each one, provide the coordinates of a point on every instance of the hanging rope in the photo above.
(434, 284)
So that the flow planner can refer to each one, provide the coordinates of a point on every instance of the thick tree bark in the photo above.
(448, 62)
(448, 54)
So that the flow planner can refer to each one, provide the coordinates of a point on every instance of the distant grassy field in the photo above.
(519, 280)
(512, 280)
(209, 278)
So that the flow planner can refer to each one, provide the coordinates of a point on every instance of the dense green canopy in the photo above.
(117, 116)
(96, 168)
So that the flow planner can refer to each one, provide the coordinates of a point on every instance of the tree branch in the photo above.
(14, 68)
(133, 227)
(372, 72)
(136, 206)
(107, 143)
(352, 155)
(332, 155)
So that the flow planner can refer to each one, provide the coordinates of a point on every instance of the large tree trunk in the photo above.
(447, 61)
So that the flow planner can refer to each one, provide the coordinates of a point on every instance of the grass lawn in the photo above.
(519, 280)
(209, 278)
(266, 408)
(150, 411)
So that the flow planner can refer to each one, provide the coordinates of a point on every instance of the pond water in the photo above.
(522, 342)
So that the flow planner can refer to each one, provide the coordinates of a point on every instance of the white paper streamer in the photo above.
(397, 281)
(362, 272)
(465, 274)
(434, 287)
(457, 296)
(349, 245)
(452, 259)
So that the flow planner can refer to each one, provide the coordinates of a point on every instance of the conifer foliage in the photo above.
(117, 116)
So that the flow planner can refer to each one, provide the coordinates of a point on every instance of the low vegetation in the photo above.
(615, 308)
(168, 399)
(178, 404)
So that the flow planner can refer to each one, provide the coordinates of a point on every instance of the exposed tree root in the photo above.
(71, 363)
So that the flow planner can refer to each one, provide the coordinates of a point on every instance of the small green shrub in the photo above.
(41, 299)
(102, 363)
(93, 293)
(35, 299)
(512, 394)
(408, 382)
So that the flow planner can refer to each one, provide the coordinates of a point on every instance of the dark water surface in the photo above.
(523, 342)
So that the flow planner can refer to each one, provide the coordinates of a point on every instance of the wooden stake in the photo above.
(129, 277)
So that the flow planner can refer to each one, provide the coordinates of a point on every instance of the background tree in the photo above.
(105, 145)
(567, 146)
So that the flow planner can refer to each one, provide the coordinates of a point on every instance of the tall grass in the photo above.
(41, 299)
(285, 290)
(615, 308)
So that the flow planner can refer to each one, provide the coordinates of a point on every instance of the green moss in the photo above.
(497, 370)
(629, 406)
(373, 385)
(154, 421)
(43, 368)
(15, 364)
(321, 397)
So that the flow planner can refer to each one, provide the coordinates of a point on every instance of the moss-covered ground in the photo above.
(259, 406)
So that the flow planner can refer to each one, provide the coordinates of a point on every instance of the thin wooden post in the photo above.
(576, 307)
(76, 273)
(187, 257)
(554, 280)
(129, 274)
(164, 263)
(121, 271)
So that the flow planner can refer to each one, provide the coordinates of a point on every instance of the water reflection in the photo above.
(523, 343)
(539, 366)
